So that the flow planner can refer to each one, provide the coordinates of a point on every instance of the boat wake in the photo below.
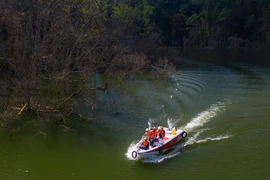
(191, 128)
(194, 139)
(205, 116)
(178, 149)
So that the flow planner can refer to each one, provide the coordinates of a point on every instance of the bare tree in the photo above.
(53, 49)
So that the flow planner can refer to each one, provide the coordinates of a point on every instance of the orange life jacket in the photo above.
(162, 133)
(151, 134)
(145, 144)
(154, 133)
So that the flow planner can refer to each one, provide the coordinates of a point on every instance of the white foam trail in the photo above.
(177, 149)
(161, 158)
(205, 116)
(192, 139)
(213, 138)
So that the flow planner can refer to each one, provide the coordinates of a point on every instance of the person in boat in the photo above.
(147, 133)
(152, 136)
(158, 132)
(174, 130)
(154, 132)
(145, 144)
(161, 132)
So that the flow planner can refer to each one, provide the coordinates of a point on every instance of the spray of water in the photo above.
(151, 121)
(172, 122)
(131, 148)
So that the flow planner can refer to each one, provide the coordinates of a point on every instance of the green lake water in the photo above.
(224, 107)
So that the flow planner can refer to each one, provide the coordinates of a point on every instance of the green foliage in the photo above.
(66, 9)
(196, 2)
(193, 20)
(183, 9)
(224, 14)
(246, 19)
(124, 13)
(147, 13)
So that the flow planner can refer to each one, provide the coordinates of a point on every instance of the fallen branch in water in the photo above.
(21, 110)
(42, 109)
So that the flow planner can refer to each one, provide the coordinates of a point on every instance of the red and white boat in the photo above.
(161, 145)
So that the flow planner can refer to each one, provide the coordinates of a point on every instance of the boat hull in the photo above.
(161, 146)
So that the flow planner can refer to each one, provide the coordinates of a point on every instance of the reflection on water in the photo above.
(252, 57)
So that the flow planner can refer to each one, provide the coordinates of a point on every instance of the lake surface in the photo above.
(224, 105)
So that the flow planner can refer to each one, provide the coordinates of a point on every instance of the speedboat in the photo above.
(161, 145)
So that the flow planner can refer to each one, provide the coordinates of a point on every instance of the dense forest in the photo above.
(209, 23)
(51, 50)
